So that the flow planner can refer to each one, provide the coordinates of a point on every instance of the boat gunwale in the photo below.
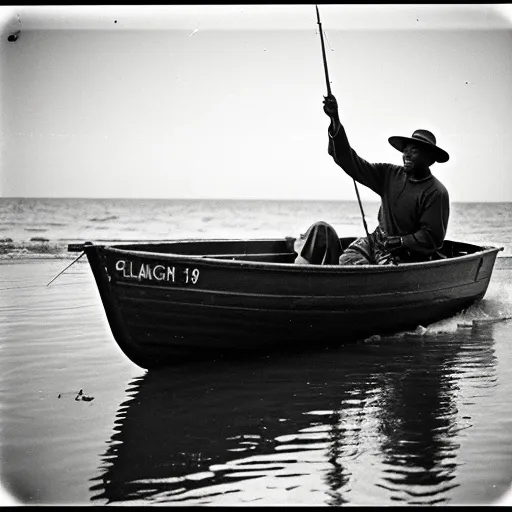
(295, 267)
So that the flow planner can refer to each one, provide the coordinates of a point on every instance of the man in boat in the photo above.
(414, 211)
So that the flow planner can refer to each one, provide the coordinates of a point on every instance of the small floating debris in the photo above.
(82, 397)
(419, 331)
(485, 321)
(482, 321)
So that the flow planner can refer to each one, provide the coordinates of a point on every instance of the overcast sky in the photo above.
(226, 101)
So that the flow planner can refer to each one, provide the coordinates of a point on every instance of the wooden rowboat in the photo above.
(202, 299)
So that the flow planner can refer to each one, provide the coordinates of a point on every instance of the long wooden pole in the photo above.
(329, 93)
(323, 51)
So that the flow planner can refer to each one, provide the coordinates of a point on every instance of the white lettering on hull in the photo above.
(149, 272)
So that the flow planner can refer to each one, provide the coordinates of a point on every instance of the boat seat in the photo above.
(280, 257)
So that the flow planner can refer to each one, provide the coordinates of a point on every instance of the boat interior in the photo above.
(272, 251)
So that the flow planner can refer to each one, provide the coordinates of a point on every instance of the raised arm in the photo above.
(371, 175)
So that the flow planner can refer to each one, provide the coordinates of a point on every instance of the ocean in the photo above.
(420, 418)
(44, 227)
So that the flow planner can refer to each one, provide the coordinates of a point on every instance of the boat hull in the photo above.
(163, 306)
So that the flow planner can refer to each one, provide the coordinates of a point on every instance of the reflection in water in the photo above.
(420, 417)
(418, 414)
(371, 423)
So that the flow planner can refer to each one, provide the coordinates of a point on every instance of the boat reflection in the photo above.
(370, 423)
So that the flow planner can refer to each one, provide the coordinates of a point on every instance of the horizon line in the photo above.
(376, 201)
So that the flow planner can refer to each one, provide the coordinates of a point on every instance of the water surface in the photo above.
(409, 419)
(418, 418)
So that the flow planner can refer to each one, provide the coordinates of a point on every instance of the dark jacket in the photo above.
(417, 210)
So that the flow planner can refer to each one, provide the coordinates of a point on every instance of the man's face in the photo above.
(416, 157)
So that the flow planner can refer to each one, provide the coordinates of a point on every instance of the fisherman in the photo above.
(414, 210)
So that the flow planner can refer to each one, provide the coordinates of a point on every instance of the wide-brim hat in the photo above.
(422, 138)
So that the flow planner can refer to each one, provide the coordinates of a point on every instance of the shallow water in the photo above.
(409, 419)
